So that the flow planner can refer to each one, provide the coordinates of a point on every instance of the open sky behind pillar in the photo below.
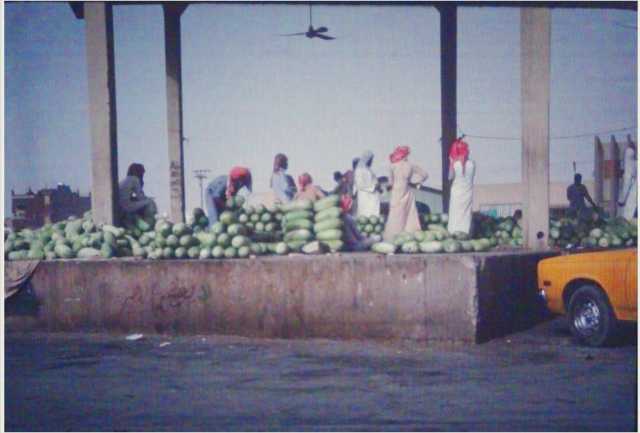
(248, 93)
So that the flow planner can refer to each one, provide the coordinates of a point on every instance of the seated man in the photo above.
(131, 198)
(353, 239)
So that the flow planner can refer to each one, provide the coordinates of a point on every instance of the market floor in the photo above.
(535, 380)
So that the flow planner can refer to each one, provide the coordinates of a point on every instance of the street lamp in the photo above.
(201, 175)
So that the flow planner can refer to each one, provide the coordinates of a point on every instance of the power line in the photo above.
(559, 137)
(628, 128)
(615, 23)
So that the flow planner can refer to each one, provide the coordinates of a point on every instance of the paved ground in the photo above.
(536, 380)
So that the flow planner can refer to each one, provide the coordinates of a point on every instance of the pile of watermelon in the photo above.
(505, 230)
(567, 233)
(300, 226)
(434, 239)
(371, 227)
(595, 233)
(313, 228)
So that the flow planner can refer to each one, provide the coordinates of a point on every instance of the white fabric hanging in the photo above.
(629, 189)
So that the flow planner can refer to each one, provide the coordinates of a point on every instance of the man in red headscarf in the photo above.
(461, 174)
(403, 214)
(306, 189)
(224, 187)
(238, 177)
(399, 153)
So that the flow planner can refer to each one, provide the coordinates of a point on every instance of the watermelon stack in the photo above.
(231, 234)
(435, 218)
(434, 239)
(328, 222)
(297, 224)
(371, 227)
(263, 224)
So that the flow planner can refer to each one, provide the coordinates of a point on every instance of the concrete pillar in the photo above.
(448, 86)
(535, 36)
(598, 172)
(102, 111)
(173, 61)
(614, 157)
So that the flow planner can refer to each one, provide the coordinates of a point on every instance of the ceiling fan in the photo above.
(311, 32)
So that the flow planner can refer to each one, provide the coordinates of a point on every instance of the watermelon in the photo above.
(326, 202)
(227, 217)
(326, 224)
(217, 252)
(298, 235)
(315, 247)
(430, 246)
(410, 247)
(180, 253)
(332, 212)
(383, 248)
(329, 235)
(230, 252)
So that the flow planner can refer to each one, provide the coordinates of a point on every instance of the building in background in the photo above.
(48, 205)
(503, 199)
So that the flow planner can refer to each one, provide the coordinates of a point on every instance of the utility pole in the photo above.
(201, 175)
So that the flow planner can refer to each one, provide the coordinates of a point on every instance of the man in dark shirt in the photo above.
(576, 194)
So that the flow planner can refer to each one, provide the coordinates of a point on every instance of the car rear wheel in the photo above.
(591, 317)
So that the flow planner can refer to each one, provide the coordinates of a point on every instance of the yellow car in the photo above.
(595, 290)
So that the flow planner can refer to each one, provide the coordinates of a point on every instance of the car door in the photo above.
(631, 286)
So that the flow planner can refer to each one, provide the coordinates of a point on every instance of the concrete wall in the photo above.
(420, 297)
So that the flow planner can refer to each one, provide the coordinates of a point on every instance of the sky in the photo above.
(249, 93)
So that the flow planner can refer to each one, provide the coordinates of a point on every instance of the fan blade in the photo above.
(326, 38)
(322, 29)
(294, 34)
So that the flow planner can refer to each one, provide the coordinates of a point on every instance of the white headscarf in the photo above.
(365, 159)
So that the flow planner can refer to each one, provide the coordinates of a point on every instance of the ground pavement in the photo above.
(534, 380)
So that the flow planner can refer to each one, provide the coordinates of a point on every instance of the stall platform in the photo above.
(453, 297)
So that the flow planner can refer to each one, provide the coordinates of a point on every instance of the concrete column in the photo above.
(102, 111)
(535, 37)
(448, 86)
(614, 157)
(598, 172)
(173, 61)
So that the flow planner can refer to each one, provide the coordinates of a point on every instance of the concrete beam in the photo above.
(448, 93)
(174, 109)
(535, 43)
(624, 5)
(102, 111)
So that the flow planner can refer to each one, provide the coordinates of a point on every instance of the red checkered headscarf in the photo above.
(303, 180)
(240, 175)
(459, 152)
(400, 153)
